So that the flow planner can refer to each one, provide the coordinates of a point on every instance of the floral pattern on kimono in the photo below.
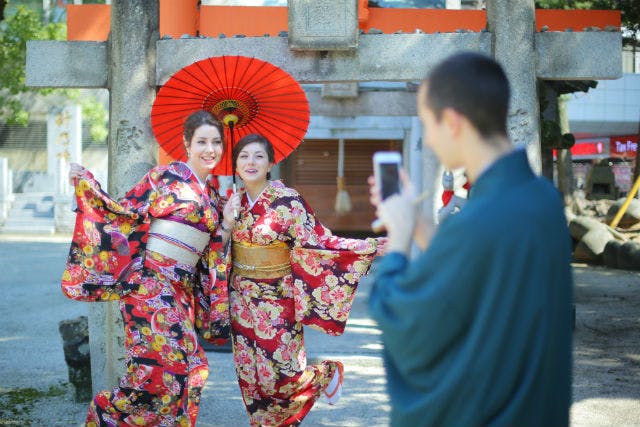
(267, 315)
(164, 303)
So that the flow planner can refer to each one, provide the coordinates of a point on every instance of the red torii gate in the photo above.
(179, 17)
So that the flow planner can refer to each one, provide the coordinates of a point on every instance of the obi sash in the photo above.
(177, 241)
(261, 261)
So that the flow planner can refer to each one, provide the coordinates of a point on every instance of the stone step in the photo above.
(39, 196)
(38, 201)
(28, 221)
(28, 229)
(31, 204)
(30, 213)
(35, 204)
(42, 212)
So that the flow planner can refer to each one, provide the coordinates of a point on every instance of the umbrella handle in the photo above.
(231, 121)
(235, 211)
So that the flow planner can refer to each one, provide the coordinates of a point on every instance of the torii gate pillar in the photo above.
(132, 152)
(126, 66)
(512, 27)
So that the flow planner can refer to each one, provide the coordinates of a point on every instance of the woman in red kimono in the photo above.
(288, 271)
(159, 251)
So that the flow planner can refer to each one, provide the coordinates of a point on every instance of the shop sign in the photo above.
(624, 146)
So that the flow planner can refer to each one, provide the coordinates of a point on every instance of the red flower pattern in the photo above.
(267, 316)
(163, 302)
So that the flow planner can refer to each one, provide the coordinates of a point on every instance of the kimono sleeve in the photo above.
(425, 306)
(325, 268)
(107, 236)
(212, 320)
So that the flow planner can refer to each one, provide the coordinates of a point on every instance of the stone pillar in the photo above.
(64, 141)
(512, 26)
(413, 153)
(132, 152)
(75, 343)
(423, 168)
(6, 190)
(64, 145)
(431, 174)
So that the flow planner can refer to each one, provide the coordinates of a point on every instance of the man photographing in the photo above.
(477, 327)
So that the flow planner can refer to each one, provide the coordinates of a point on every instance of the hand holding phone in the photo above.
(386, 171)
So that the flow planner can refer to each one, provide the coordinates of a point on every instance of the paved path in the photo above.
(606, 373)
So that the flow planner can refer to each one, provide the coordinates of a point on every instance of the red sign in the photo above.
(624, 146)
(587, 149)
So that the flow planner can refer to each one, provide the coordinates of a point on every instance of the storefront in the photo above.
(621, 152)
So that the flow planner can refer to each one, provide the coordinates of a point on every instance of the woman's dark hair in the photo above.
(250, 139)
(199, 118)
(475, 86)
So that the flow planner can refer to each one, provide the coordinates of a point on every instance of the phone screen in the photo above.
(389, 178)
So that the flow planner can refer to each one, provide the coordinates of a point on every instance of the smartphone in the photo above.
(386, 171)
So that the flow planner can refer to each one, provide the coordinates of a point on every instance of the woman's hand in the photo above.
(76, 172)
(381, 245)
(230, 211)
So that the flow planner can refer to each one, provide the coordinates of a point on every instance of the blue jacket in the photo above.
(477, 328)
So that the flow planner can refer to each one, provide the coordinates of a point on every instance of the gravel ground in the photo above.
(606, 366)
(34, 389)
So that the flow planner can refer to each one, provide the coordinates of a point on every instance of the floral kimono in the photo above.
(267, 315)
(163, 301)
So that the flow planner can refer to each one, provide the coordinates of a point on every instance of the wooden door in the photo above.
(312, 169)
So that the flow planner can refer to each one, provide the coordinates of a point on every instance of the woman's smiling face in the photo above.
(253, 163)
(204, 150)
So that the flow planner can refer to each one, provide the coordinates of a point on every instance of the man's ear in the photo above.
(453, 121)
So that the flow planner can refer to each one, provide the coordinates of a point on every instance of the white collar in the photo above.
(253, 202)
(200, 183)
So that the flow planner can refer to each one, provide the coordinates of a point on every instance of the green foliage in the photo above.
(15, 30)
(95, 114)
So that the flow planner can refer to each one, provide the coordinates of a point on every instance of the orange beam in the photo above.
(88, 22)
(427, 20)
(252, 21)
(178, 17)
(91, 22)
(577, 20)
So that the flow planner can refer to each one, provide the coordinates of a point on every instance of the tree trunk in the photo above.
(636, 168)
(548, 111)
(565, 162)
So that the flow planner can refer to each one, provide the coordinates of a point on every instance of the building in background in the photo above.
(605, 122)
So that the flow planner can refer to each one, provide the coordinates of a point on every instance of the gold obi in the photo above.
(177, 241)
(261, 261)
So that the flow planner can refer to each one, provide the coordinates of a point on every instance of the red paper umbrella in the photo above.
(247, 94)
